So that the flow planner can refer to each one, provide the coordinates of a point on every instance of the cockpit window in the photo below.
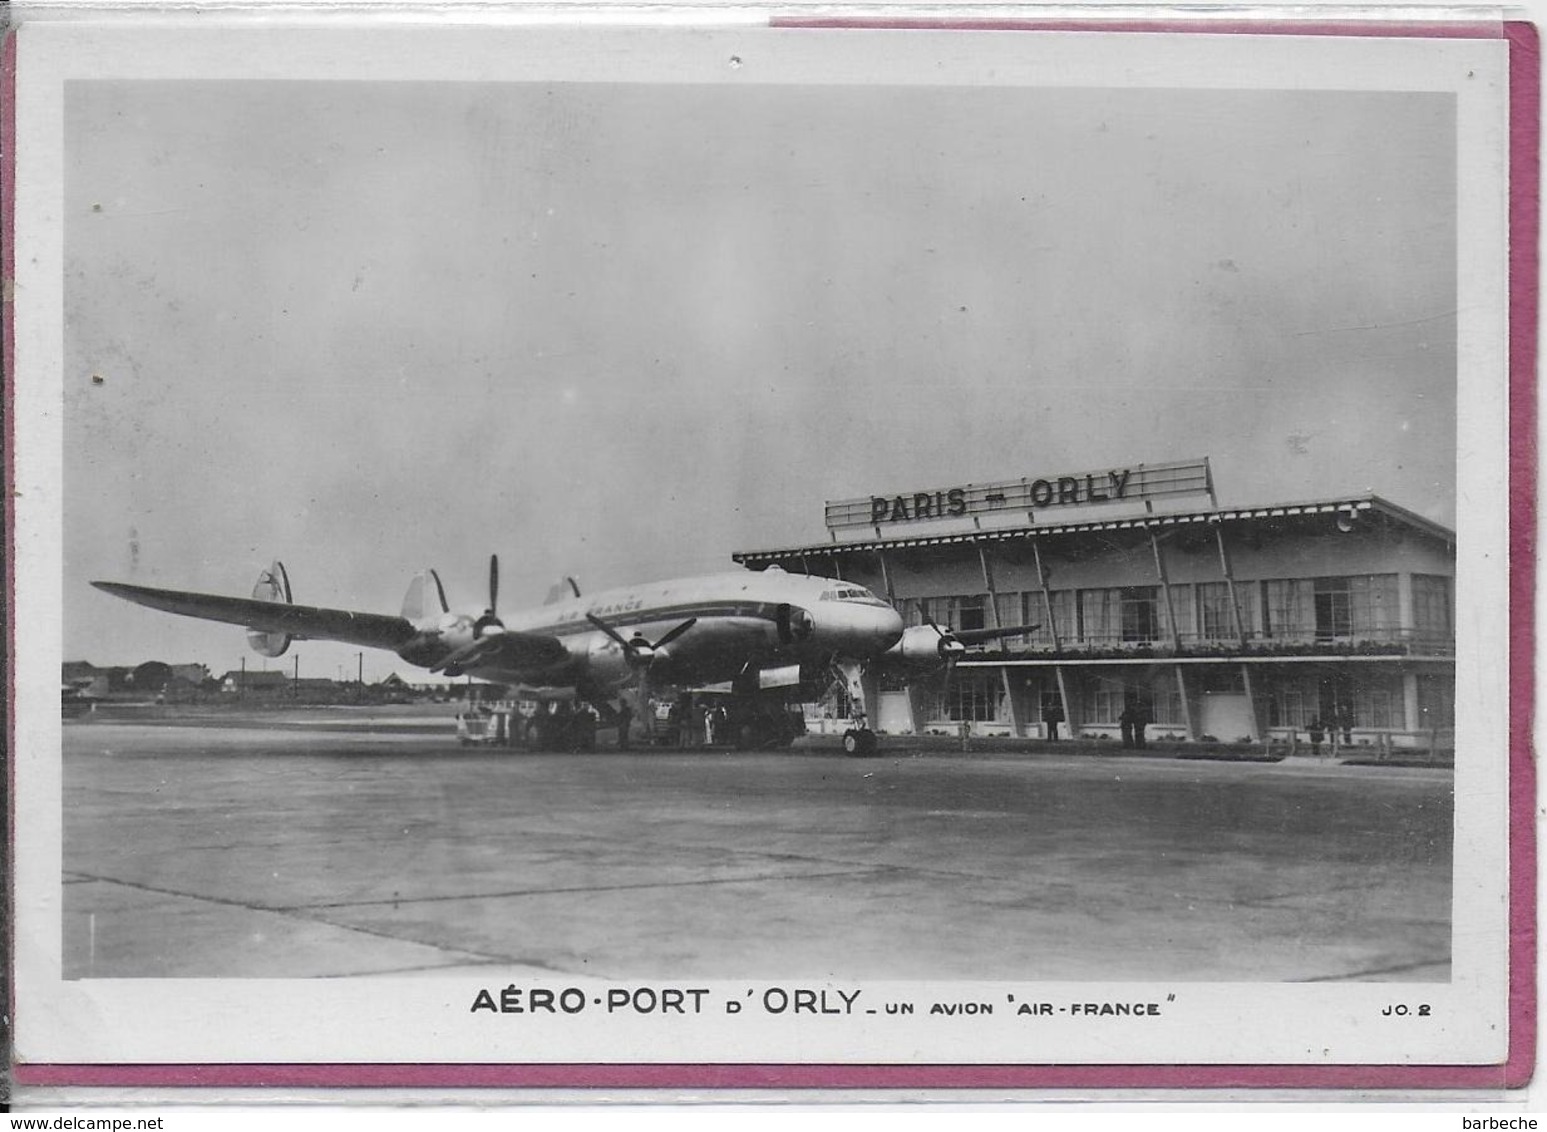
(852, 593)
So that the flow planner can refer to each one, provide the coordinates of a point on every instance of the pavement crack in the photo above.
(297, 913)
(1396, 969)
(589, 888)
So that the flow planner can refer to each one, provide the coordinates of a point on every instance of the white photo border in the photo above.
(425, 1022)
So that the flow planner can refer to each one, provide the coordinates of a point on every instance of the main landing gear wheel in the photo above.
(859, 742)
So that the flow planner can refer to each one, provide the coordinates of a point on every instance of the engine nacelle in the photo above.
(437, 638)
(273, 585)
(607, 663)
(925, 645)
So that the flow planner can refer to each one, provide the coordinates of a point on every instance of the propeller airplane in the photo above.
(748, 628)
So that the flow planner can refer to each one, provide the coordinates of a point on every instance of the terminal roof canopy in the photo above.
(1351, 508)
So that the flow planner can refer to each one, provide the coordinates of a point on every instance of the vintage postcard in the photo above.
(770, 551)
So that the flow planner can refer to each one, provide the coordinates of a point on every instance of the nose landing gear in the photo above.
(859, 742)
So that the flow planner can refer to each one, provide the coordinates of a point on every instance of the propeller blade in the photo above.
(618, 637)
(676, 632)
(494, 584)
(440, 592)
(950, 646)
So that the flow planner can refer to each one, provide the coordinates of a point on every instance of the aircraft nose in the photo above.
(888, 628)
(858, 630)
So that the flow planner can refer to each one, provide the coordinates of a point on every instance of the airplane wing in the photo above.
(978, 636)
(506, 651)
(373, 630)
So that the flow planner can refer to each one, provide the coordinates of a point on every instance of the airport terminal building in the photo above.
(1214, 623)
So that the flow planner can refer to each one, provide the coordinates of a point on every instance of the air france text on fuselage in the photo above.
(612, 608)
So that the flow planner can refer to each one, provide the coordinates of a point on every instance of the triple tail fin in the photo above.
(426, 597)
(557, 592)
(273, 585)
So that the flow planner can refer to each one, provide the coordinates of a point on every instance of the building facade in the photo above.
(1211, 623)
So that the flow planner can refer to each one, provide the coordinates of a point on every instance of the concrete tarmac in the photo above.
(251, 852)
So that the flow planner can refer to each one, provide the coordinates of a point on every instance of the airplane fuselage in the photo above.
(742, 620)
(720, 627)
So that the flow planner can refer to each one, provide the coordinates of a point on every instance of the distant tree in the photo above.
(152, 676)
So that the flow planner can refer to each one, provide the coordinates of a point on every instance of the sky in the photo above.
(622, 331)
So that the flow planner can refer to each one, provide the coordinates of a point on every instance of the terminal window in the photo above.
(1331, 608)
(1431, 608)
(1140, 622)
(1291, 704)
(1216, 612)
(968, 697)
(956, 612)
(1378, 703)
(1334, 608)
(1436, 702)
(1129, 615)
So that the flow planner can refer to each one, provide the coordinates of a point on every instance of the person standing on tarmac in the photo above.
(1125, 723)
(673, 725)
(1345, 723)
(1052, 716)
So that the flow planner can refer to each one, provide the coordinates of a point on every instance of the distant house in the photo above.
(263, 683)
(85, 679)
(95, 683)
(78, 671)
(194, 674)
(152, 678)
(82, 674)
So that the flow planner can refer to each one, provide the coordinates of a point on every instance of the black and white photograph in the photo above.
(762, 545)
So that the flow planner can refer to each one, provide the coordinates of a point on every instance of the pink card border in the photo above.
(1514, 1072)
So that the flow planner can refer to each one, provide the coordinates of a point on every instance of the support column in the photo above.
(1181, 687)
(1235, 601)
(1012, 703)
(1259, 730)
(1071, 720)
(988, 585)
(1410, 716)
(1165, 587)
(886, 579)
(1047, 598)
(915, 720)
(1017, 724)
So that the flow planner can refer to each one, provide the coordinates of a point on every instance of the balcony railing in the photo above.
(1293, 642)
